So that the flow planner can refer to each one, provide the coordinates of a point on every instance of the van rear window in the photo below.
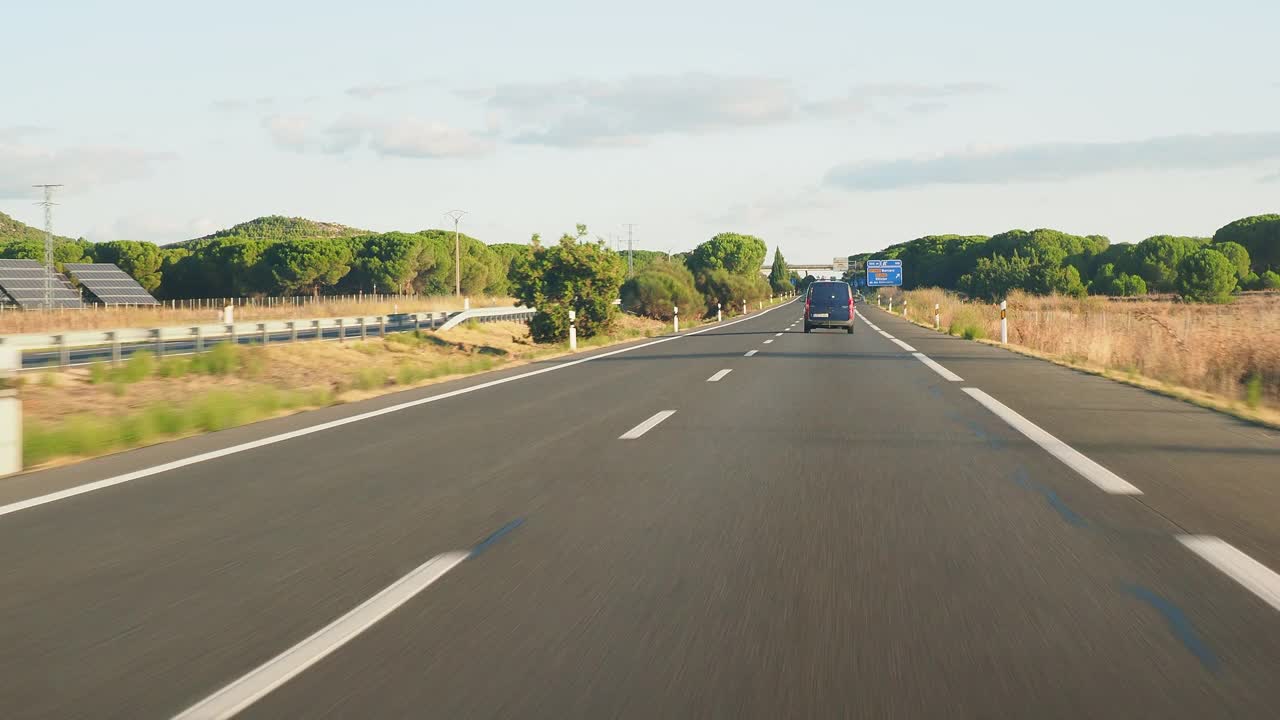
(830, 292)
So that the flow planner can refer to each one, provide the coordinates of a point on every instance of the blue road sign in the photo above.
(884, 273)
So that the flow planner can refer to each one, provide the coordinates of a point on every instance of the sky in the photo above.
(827, 128)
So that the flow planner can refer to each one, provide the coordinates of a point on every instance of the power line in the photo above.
(48, 204)
(630, 252)
(456, 215)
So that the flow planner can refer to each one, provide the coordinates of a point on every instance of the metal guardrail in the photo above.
(489, 315)
(41, 350)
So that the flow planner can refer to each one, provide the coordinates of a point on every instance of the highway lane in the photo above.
(830, 529)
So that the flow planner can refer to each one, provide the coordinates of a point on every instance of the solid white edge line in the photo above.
(273, 439)
(250, 688)
(937, 368)
(887, 335)
(750, 353)
(647, 425)
(719, 376)
(903, 345)
(1072, 458)
(1258, 578)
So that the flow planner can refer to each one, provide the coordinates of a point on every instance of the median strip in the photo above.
(646, 426)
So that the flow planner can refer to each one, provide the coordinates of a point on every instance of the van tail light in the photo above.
(850, 307)
(806, 305)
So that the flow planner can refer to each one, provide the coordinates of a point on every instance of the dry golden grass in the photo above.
(38, 321)
(1228, 351)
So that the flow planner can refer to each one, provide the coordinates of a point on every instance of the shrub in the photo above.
(658, 290)
(368, 379)
(173, 367)
(1253, 390)
(138, 367)
(1269, 280)
(572, 275)
(1206, 276)
(221, 359)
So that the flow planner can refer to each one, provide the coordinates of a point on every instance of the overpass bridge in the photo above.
(822, 271)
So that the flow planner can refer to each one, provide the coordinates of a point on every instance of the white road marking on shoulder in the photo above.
(1258, 578)
(719, 376)
(766, 342)
(937, 368)
(1072, 458)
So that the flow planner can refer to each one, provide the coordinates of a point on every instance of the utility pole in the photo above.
(48, 243)
(456, 215)
(630, 263)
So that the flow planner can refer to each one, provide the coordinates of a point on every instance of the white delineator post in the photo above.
(937, 317)
(676, 318)
(466, 303)
(1004, 322)
(228, 314)
(10, 414)
(890, 304)
(573, 331)
(904, 308)
(744, 307)
(719, 316)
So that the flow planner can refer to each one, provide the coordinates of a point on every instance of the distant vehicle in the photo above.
(829, 305)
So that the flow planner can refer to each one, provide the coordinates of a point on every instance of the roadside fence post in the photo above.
(364, 329)
(1004, 322)
(293, 331)
(342, 330)
(573, 331)
(266, 337)
(382, 326)
(937, 317)
(10, 414)
(158, 332)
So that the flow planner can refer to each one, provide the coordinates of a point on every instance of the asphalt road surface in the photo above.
(832, 528)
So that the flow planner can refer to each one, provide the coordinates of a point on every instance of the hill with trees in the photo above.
(1243, 255)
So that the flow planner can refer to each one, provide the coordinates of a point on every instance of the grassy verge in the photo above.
(1251, 405)
(149, 400)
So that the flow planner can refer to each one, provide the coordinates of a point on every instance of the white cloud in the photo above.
(1061, 161)
(371, 91)
(79, 168)
(418, 139)
(408, 137)
(153, 228)
(290, 132)
(1272, 178)
(237, 104)
(585, 113)
(914, 98)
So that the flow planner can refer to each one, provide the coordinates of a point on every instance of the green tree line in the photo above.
(1243, 255)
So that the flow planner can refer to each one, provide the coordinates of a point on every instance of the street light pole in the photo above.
(456, 216)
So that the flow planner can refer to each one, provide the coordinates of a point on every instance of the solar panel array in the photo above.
(109, 284)
(23, 282)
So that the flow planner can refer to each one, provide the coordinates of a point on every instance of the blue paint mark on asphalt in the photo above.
(1052, 498)
(1178, 624)
(496, 536)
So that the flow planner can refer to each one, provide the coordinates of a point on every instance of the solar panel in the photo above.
(109, 284)
(23, 281)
